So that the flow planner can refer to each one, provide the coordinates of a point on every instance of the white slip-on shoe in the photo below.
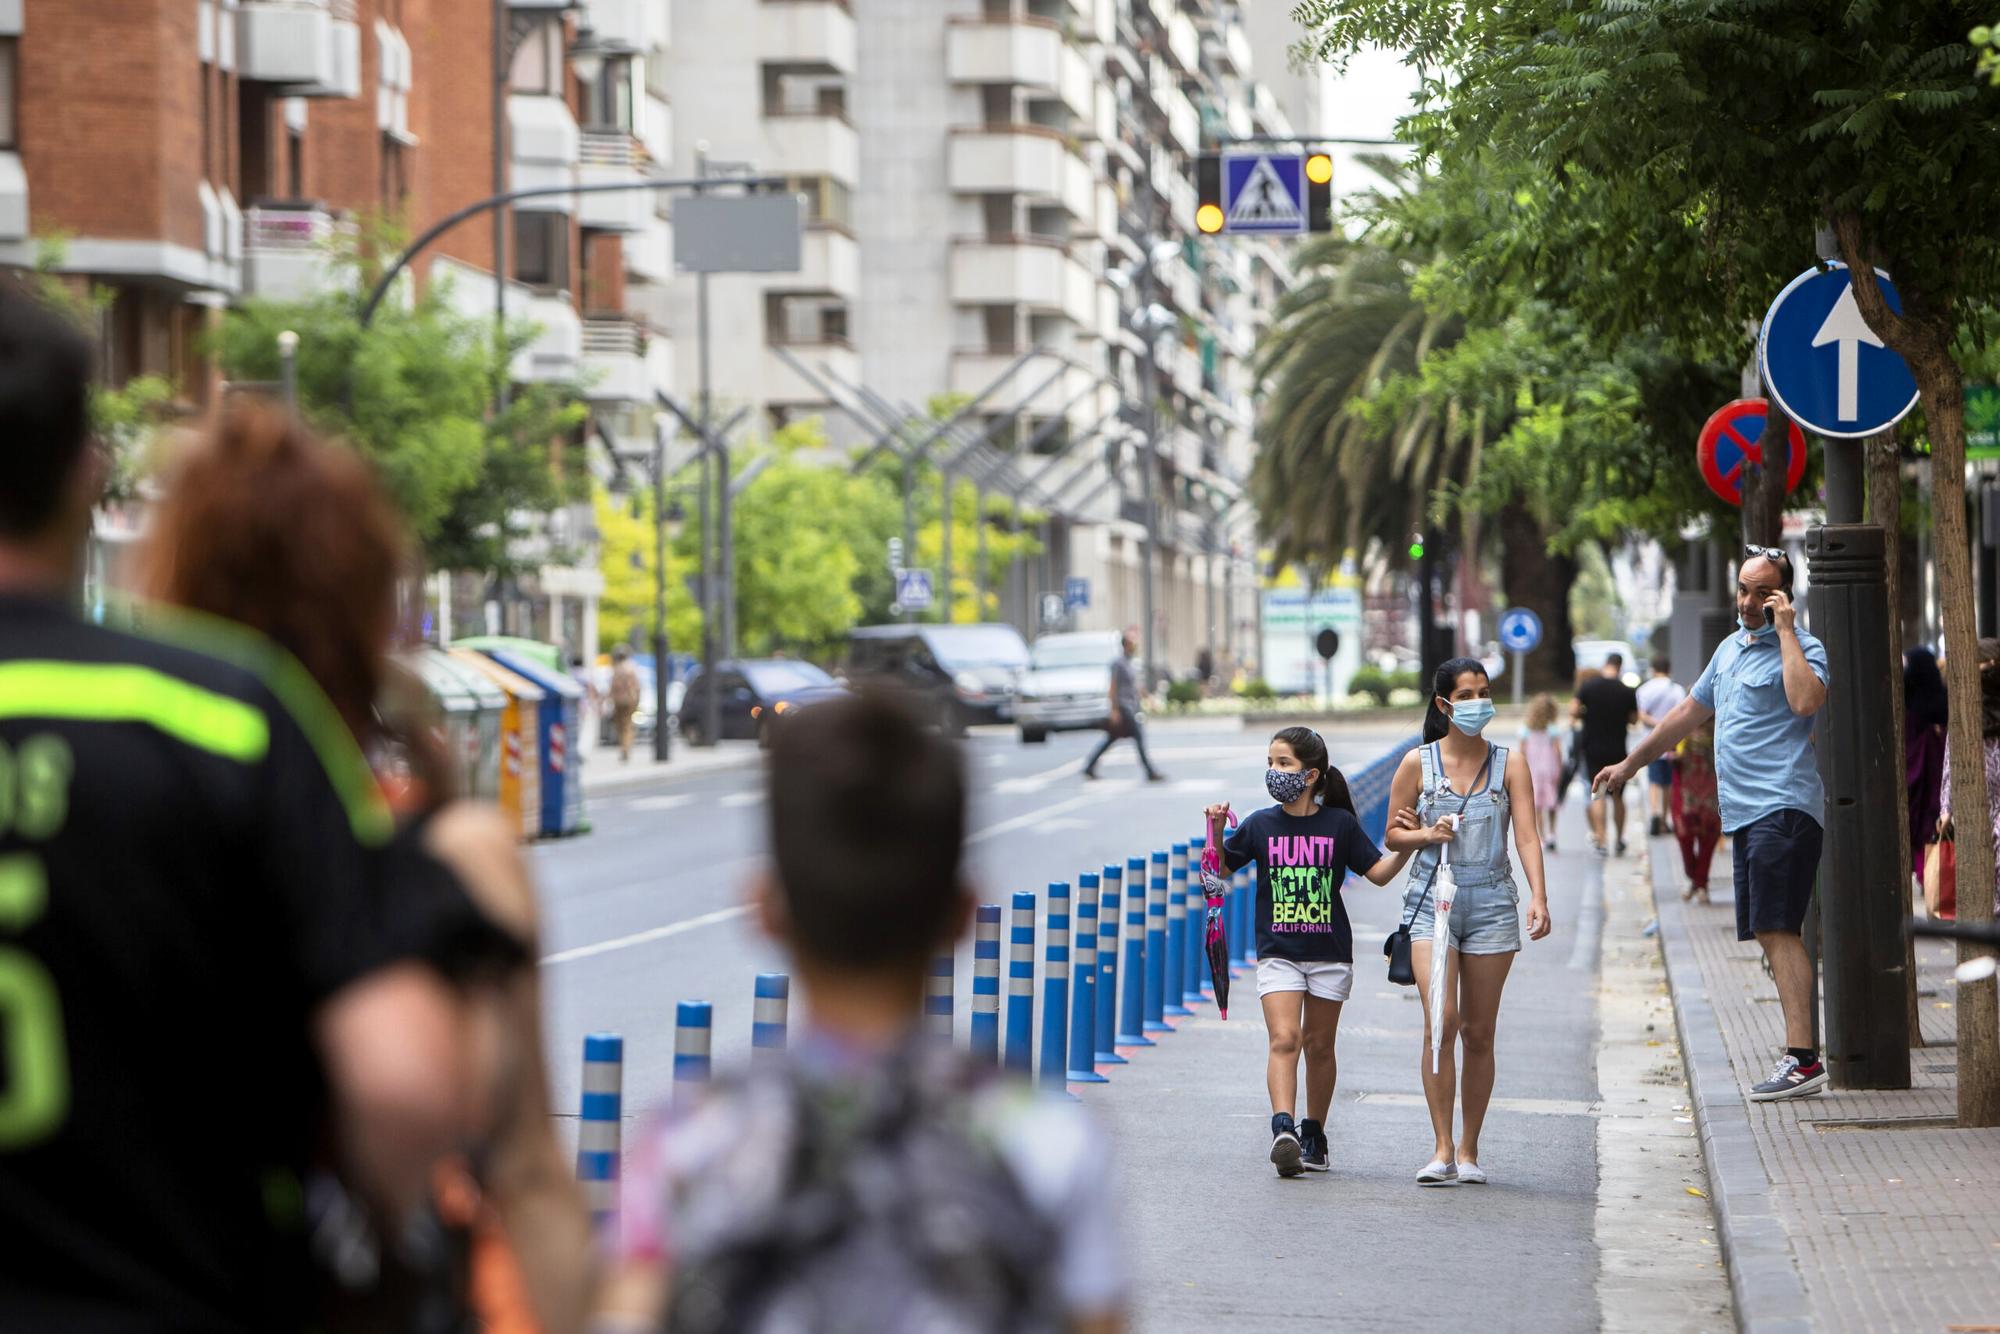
(1438, 1173)
(1472, 1174)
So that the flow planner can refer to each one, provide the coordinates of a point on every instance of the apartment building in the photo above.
(181, 155)
(985, 182)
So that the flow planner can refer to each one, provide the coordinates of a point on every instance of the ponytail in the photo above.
(1310, 747)
(1436, 721)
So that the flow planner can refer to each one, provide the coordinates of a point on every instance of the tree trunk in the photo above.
(1764, 485)
(1884, 462)
(1532, 578)
(1922, 335)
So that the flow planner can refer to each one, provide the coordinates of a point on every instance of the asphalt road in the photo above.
(646, 911)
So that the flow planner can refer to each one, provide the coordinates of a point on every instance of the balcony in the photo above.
(783, 386)
(1022, 271)
(811, 145)
(1024, 160)
(288, 252)
(807, 33)
(829, 262)
(546, 146)
(649, 252)
(605, 156)
(1032, 53)
(640, 25)
(613, 362)
(557, 350)
(311, 47)
(1042, 384)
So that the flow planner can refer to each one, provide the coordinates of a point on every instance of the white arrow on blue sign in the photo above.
(1520, 630)
(1826, 368)
(913, 590)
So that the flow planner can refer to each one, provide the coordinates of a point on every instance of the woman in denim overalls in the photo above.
(1461, 791)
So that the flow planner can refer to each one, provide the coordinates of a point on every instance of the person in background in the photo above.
(1926, 710)
(1606, 707)
(1657, 696)
(626, 689)
(1989, 723)
(1989, 651)
(593, 704)
(293, 537)
(1544, 752)
(1125, 719)
(871, 1178)
(1697, 817)
(1573, 760)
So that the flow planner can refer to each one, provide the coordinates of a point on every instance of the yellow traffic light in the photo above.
(1319, 169)
(1209, 218)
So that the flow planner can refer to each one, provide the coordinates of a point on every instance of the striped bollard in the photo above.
(1108, 909)
(1235, 913)
(769, 1008)
(937, 998)
(986, 982)
(1156, 946)
(599, 1126)
(1083, 984)
(1246, 886)
(1055, 987)
(1132, 1006)
(1194, 974)
(693, 1021)
(1175, 996)
(1021, 984)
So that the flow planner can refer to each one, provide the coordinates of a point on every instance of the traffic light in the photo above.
(1416, 546)
(1211, 215)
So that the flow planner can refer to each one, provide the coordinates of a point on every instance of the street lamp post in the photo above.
(662, 656)
(1148, 322)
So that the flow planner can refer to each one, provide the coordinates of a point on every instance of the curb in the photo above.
(1764, 1283)
(622, 778)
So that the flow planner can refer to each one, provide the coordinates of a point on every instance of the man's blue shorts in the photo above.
(1660, 773)
(1777, 861)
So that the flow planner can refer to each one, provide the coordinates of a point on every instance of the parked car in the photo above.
(757, 694)
(1067, 685)
(1591, 653)
(957, 674)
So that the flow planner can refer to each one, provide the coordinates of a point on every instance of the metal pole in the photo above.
(288, 369)
(909, 518)
(502, 76)
(715, 462)
(1518, 660)
(944, 573)
(979, 559)
(1147, 465)
(662, 654)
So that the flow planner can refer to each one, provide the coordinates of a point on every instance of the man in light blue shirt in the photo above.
(1763, 687)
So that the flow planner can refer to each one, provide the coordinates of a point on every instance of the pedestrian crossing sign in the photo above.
(1264, 192)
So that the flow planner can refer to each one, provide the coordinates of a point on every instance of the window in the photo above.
(541, 249)
(538, 64)
(611, 102)
(10, 48)
(827, 200)
(295, 163)
(394, 186)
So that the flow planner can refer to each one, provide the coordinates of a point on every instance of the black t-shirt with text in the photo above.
(1608, 706)
(193, 856)
(1302, 862)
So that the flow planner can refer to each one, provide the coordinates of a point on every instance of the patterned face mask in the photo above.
(1285, 785)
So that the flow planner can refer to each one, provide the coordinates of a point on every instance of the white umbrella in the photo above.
(1443, 887)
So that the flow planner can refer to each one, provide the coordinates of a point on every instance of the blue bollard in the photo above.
(769, 1014)
(1156, 946)
(1108, 910)
(1055, 987)
(599, 1124)
(1083, 984)
(1132, 1009)
(1021, 985)
(1178, 977)
(1194, 973)
(938, 998)
(986, 982)
(1246, 888)
(693, 1022)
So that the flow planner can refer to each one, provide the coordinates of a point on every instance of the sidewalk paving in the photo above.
(1850, 1210)
(602, 771)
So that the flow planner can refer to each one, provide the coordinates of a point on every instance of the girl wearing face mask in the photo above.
(1304, 847)
(1460, 790)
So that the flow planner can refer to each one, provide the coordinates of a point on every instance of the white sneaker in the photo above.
(1438, 1173)
(1472, 1174)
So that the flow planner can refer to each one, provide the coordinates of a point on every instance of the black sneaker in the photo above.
(1659, 827)
(1312, 1146)
(1285, 1145)
(1789, 1079)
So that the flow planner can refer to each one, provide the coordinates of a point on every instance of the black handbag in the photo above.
(1396, 949)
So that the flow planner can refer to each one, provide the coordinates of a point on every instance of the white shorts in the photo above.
(1328, 981)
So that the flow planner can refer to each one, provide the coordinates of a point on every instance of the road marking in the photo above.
(737, 800)
(1036, 817)
(665, 803)
(647, 937)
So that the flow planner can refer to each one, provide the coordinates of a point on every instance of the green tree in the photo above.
(625, 556)
(1687, 150)
(414, 393)
(1010, 537)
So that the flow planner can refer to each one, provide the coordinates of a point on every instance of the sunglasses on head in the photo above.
(1768, 553)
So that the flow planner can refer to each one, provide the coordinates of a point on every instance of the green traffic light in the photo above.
(1416, 551)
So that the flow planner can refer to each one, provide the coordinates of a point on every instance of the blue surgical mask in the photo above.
(1285, 785)
(1470, 716)
(1767, 628)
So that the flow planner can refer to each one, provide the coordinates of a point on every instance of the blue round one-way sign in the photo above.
(1520, 630)
(1825, 367)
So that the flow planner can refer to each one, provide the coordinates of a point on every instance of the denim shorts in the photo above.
(1485, 919)
(1660, 772)
(1776, 860)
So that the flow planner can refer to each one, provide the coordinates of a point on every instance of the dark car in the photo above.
(957, 674)
(757, 693)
